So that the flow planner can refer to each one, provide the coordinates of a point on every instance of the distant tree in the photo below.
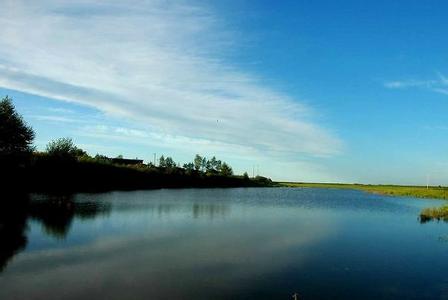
(197, 162)
(80, 153)
(218, 165)
(226, 170)
(245, 176)
(189, 167)
(208, 166)
(204, 164)
(162, 162)
(120, 156)
(63, 148)
(15, 135)
(169, 163)
(211, 165)
(102, 158)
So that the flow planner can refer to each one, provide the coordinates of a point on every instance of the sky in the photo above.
(322, 91)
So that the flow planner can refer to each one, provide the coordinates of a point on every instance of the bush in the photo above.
(64, 149)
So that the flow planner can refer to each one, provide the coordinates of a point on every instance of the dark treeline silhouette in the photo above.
(63, 167)
(55, 213)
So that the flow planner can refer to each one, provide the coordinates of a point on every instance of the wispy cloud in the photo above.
(159, 64)
(410, 83)
(54, 118)
(439, 85)
(61, 110)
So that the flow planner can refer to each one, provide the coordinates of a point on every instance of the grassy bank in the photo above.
(434, 213)
(392, 190)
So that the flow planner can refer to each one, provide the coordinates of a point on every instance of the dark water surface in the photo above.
(247, 243)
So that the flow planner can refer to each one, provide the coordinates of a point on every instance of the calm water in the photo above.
(223, 244)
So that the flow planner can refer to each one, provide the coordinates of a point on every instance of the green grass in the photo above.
(391, 190)
(434, 213)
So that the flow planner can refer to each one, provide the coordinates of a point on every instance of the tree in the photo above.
(102, 158)
(65, 149)
(169, 163)
(211, 165)
(204, 164)
(218, 165)
(245, 176)
(15, 135)
(79, 152)
(162, 162)
(189, 167)
(197, 162)
(226, 170)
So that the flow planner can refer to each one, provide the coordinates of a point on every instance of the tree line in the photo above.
(16, 140)
(211, 166)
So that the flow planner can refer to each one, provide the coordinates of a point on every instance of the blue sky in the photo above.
(347, 91)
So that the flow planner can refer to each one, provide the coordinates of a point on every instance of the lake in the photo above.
(243, 243)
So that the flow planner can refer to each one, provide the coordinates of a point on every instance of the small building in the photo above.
(126, 161)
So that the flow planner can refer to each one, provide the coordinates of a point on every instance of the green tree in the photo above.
(189, 167)
(197, 162)
(64, 148)
(211, 165)
(216, 164)
(169, 163)
(204, 164)
(226, 170)
(15, 135)
(101, 158)
(208, 166)
(162, 163)
(245, 176)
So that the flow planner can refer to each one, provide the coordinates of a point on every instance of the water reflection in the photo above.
(54, 213)
(197, 210)
(211, 210)
(221, 244)
(13, 220)
(186, 255)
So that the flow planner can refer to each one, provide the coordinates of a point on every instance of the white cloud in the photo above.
(55, 118)
(441, 91)
(159, 64)
(409, 83)
(439, 85)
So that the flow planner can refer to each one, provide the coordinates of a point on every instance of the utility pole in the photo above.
(154, 159)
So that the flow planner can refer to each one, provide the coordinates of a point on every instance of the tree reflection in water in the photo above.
(55, 213)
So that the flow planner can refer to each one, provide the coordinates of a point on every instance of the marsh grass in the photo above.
(434, 213)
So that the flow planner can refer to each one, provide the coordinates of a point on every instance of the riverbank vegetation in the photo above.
(63, 167)
(438, 192)
(434, 213)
